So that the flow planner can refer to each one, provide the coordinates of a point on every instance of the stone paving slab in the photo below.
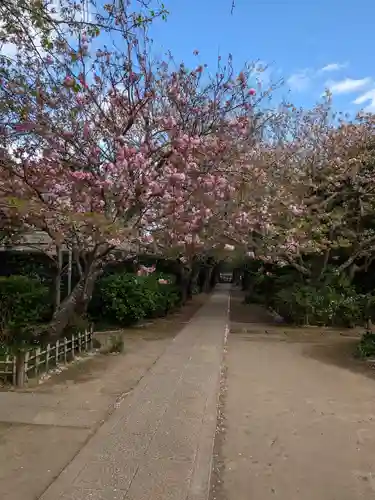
(95, 384)
(51, 409)
(64, 418)
(158, 443)
(38, 400)
(35, 452)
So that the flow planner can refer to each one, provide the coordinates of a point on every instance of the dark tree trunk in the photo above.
(66, 311)
(183, 276)
(75, 303)
(214, 276)
(58, 278)
(186, 285)
(193, 278)
(207, 279)
(84, 300)
(184, 290)
(246, 281)
(236, 276)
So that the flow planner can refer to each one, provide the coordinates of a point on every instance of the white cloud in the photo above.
(363, 89)
(300, 81)
(368, 96)
(365, 97)
(10, 50)
(333, 67)
(348, 85)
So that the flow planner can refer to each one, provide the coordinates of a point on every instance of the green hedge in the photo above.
(125, 298)
(320, 305)
(119, 299)
(24, 303)
(331, 301)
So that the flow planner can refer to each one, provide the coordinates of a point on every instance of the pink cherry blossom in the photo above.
(69, 81)
(146, 152)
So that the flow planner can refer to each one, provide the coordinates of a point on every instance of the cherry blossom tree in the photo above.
(339, 208)
(105, 147)
(320, 205)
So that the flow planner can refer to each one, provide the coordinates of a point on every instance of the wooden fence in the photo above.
(18, 368)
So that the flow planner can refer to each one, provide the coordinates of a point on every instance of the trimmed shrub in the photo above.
(331, 301)
(125, 298)
(322, 306)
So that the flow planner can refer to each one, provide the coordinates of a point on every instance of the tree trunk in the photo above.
(236, 276)
(70, 272)
(88, 290)
(182, 281)
(74, 303)
(65, 312)
(185, 285)
(58, 278)
(246, 281)
(214, 276)
(193, 279)
(207, 279)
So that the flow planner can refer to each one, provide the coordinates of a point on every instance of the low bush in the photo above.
(319, 305)
(265, 283)
(366, 346)
(125, 298)
(24, 303)
(330, 301)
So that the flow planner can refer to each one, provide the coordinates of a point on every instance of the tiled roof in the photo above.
(41, 241)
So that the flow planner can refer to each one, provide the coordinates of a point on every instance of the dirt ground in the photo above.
(44, 426)
(298, 416)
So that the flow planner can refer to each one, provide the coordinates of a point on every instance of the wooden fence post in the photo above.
(20, 369)
(91, 338)
(18, 366)
(57, 352)
(65, 350)
(37, 361)
(47, 357)
(14, 370)
(79, 341)
(27, 358)
(73, 347)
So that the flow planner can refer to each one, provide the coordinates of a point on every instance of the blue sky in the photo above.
(311, 44)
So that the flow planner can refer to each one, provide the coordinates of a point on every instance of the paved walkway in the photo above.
(158, 443)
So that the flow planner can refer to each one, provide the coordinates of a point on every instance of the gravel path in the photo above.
(296, 423)
(158, 443)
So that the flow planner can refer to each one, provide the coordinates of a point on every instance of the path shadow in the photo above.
(248, 313)
(340, 353)
(330, 346)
